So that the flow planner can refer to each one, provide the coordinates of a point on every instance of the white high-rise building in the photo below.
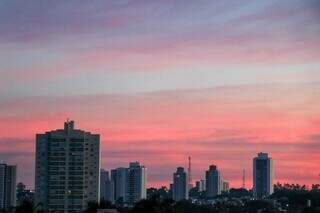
(67, 169)
(180, 185)
(129, 184)
(201, 185)
(8, 179)
(262, 175)
(224, 186)
(136, 183)
(213, 182)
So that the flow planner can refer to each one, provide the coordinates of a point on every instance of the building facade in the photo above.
(213, 182)
(8, 182)
(202, 185)
(225, 186)
(136, 183)
(180, 185)
(67, 169)
(119, 185)
(262, 175)
(106, 188)
(129, 184)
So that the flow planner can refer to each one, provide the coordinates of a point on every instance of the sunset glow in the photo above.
(164, 80)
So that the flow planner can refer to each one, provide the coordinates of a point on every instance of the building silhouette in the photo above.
(128, 185)
(67, 169)
(136, 183)
(106, 187)
(119, 185)
(225, 186)
(213, 182)
(262, 175)
(180, 185)
(8, 178)
(201, 185)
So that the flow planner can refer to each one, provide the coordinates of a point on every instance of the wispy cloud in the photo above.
(161, 80)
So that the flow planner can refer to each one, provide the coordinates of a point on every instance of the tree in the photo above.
(94, 206)
(29, 207)
(153, 205)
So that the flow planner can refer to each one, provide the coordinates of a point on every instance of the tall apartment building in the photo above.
(136, 183)
(180, 185)
(8, 179)
(106, 188)
(119, 185)
(201, 185)
(213, 182)
(67, 169)
(129, 184)
(262, 175)
(225, 186)
(170, 192)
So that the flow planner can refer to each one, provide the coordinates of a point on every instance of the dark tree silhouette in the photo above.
(94, 206)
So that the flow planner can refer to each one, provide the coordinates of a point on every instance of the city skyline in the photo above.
(69, 126)
(248, 178)
(161, 81)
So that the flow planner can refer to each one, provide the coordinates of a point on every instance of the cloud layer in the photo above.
(162, 80)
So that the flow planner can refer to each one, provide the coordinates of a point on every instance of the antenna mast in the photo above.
(244, 178)
(189, 173)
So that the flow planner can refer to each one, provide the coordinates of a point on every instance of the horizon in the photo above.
(161, 81)
(308, 186)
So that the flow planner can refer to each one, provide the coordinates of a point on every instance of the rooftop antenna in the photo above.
(244, 178)
(189, 173)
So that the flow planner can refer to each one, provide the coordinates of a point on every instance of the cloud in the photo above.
(111, 37)
(76, 47)
(44, 21)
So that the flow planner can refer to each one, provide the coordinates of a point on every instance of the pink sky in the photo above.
(164, 80)
(225, 126)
